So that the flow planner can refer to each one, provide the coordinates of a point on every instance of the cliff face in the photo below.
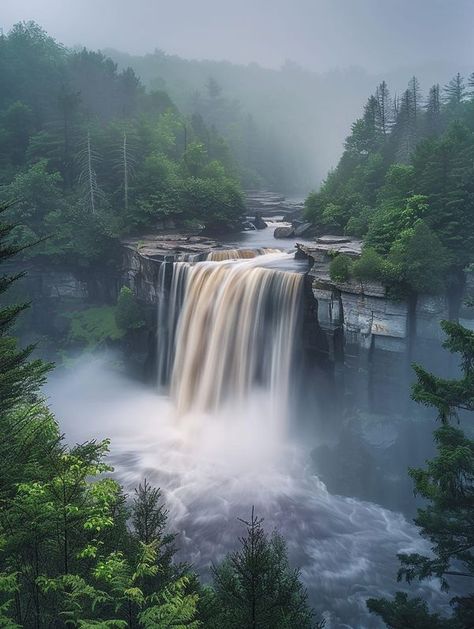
(361, 342)
(370, 339)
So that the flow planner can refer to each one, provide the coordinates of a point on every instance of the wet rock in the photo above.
(248, 226)
(259, 223)
(284, 232)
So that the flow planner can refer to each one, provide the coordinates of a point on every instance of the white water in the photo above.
(236, 329)
(223, 444)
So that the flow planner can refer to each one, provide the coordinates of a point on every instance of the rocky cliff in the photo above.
(371, 339)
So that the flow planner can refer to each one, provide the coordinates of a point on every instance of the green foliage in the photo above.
(418, 260)
(20, 378)
(404, 612)
(94, 326)
(128, 313)
(91, 156)
(255, 587)
(408, 163)
(446, 485)
(387, 222)
(370, 265)
(340, 268)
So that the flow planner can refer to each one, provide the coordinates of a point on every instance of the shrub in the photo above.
(340, 268)
(370, 266)
(94, 326)
(128, 313)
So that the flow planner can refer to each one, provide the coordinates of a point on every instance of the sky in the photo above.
(377, 35)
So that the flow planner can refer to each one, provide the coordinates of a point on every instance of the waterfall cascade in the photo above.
(226, 327)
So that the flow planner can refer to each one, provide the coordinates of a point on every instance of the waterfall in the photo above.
(170, 299)
(220, 255)
(235, 331)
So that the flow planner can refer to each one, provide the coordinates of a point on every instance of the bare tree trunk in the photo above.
(125, 171)
(90, 173)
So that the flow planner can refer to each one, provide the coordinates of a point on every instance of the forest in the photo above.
(88, 156)
(91, 156)
(404, 185)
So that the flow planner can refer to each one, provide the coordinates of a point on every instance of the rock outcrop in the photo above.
(370, 338)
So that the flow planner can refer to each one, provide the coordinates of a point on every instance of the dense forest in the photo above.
(89, 155)
(405, 186)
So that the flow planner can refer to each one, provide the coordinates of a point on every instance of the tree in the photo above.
(433, 111)
(418, 259)
(88, 159)
(455, 91)
(384, 109)
(340, 268)
(447, 486)
(255, 588)
(370, 265)
(20, 377)
(128, 313)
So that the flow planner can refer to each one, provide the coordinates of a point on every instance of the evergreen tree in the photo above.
(447, 486)
(254, 588)
(470, 85)
(433, 111)
(455, 91)
(384, 108)
(20, 377)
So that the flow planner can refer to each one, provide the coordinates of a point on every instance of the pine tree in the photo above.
(470, 85)
(433, 111)
(254, 588)
(404, 132)
(455, 91)
(384, 108)
(20, 378)
(447, 486)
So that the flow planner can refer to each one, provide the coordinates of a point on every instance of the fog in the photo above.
(213, 467)
(302, 71)
(318, 34)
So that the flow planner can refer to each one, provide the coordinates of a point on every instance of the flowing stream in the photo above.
(219, 436)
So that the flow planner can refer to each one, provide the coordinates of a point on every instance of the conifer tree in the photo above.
(383, 111)
(20, 377)
(255, 588)
(447, 486)
(433, 111)
(455, 91)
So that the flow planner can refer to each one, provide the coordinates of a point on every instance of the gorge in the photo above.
(251, 356)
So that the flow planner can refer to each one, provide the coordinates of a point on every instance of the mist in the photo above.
(237, 344)
(302, 72)
(213, 467)
(319, 35)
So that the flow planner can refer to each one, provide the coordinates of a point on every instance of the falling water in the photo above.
(220, 255)
(226, 326)
(236, 331)
(170, 299)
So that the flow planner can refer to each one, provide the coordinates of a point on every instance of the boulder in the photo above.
(259, 222)
(248, 226)
(284, 232)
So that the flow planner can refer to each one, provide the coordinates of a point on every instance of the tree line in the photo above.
(404, 184)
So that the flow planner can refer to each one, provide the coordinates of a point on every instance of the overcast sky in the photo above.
(377, 35)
